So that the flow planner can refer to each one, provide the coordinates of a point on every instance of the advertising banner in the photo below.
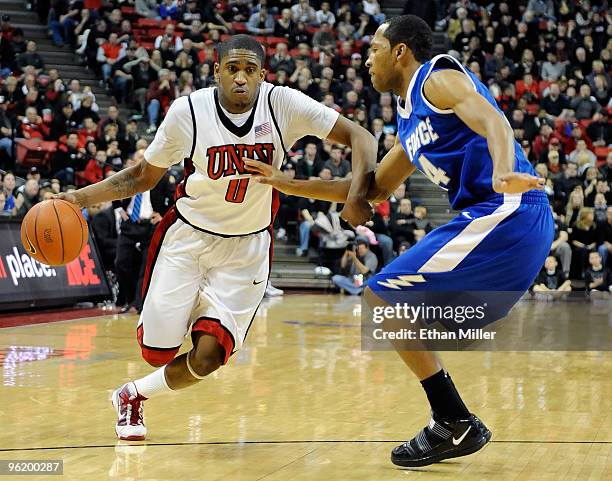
(25, 282)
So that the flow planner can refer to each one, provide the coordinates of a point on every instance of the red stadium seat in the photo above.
(148, 22)
(602, 153)
(274, 41)
(154, 32)
(239, 27)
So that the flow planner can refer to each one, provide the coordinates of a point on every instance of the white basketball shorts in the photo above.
(200, 281)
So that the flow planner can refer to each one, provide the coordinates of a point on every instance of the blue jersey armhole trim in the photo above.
(431, 67)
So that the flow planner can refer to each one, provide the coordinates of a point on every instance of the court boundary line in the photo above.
(311, 441)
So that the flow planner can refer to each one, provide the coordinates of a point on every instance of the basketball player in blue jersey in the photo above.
(451, 129)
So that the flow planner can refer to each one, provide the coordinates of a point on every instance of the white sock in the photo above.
(152, 384)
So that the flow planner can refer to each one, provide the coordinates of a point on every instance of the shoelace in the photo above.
(134, 416)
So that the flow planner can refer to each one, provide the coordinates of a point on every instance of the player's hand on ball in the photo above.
(265, 173)
(357, 211)
(517, 183)
(68, 197)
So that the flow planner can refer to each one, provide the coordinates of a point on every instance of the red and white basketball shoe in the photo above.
(128, 405)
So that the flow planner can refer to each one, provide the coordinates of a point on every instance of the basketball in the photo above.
(54, 232)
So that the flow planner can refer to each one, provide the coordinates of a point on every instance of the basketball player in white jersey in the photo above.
(209, 259)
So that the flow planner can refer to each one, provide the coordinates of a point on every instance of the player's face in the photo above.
(239, 76)
(380, 61)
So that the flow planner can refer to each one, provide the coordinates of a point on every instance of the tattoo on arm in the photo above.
(124, 183)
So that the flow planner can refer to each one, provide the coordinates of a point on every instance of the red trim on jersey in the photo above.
(156, 356)
(273, 211)
(181, 190)
(274, 206)
(155, 246)
(214, 328)
(270, 250)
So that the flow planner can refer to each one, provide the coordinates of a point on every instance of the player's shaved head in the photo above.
(397, 46)
(241, 42)
(413, 32)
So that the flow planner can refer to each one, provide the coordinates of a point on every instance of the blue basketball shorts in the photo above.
(497, 245)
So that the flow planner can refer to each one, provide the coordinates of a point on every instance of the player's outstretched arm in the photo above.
(364, 147)
(394, 169)
(126, 183)
(171, 141)
(451, 89)
(329, 190)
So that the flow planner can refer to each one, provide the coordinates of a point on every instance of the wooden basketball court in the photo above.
(301, 401)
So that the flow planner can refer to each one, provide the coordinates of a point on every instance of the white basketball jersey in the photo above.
(211, 198)
(214, 201)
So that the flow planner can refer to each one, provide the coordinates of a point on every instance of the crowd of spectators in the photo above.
(547, 64)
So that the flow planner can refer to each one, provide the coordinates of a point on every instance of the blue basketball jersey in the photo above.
(446, 150)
